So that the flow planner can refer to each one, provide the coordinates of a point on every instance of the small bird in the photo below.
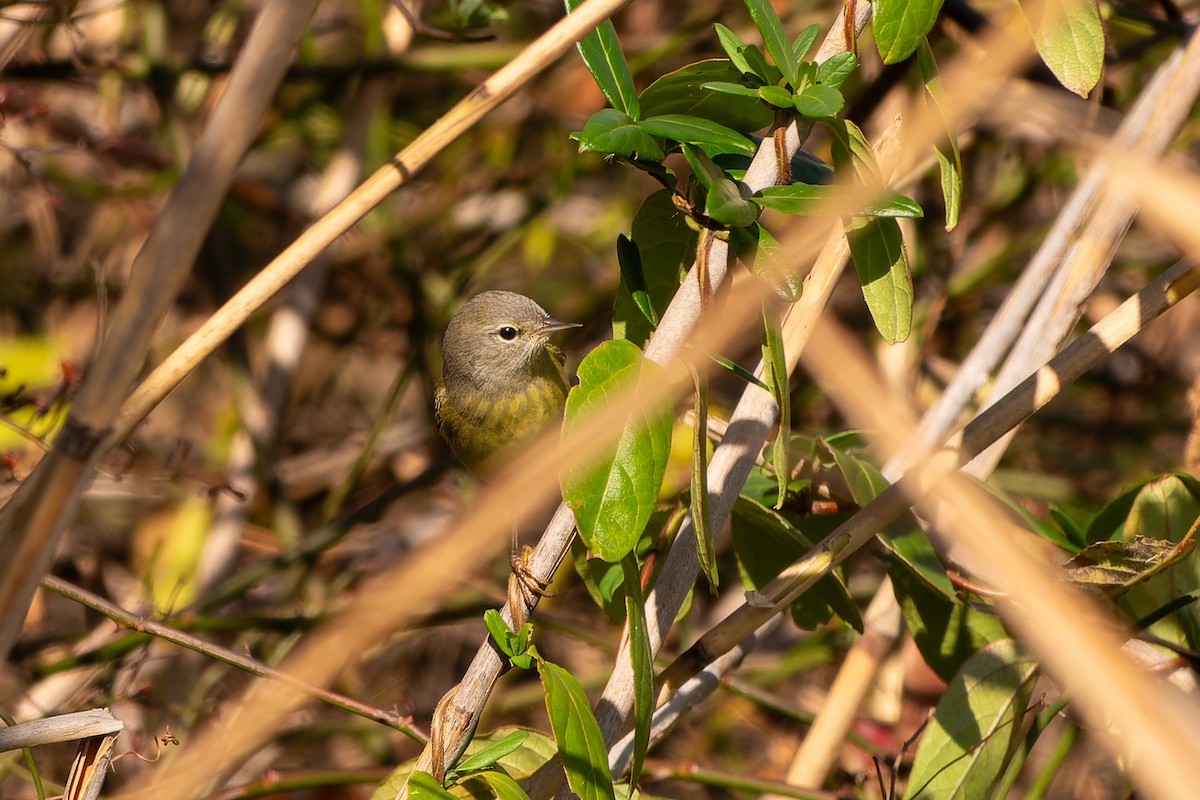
(502, 380)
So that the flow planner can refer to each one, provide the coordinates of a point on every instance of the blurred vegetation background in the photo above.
(100, 104)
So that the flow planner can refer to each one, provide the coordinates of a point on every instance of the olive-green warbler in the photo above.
(502, 380)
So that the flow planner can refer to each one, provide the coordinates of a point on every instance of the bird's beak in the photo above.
(550, 325)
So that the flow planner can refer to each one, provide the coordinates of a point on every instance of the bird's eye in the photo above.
(508, 333)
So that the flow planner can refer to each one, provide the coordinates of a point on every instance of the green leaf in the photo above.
(725, 204)
(601, 52)
(946, 631)
(818, 200)
(833, 71)
(683, 92)
(711, 137)
(514, 645)
(504, 786)
(804, 41)
(772, 265)
(1165, 508)
(735, 89)
(765, 542)
(1070, 39)
(733, 46)
(965, 748)
(1113, 568)
(777, 96)
(705, 548)
(900, 25)
(863, 478)
(775, 375)
(703, 168)
(614, 495)
(774, 39)
(630, 261)
(422, 786)
(851, 148)
(667, 247)
(602, 581)
(815, 101)
(585, 758)
(642, 660)
(738, 370)
(882, 266)
(612, 131)
(492, 752)
(765, 72)
(950, 165)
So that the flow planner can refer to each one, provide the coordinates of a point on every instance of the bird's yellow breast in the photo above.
(480, 425)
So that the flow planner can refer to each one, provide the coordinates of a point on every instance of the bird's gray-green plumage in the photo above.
(502, 380)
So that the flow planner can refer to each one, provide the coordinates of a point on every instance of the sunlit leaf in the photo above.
(966, 745)
(900, 25)
(877, 248)
(601, 52)
(614, 495)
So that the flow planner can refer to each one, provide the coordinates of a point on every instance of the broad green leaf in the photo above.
(765, 72)
(630, 261)
(612, 131)
(774, 39)
(711, 137)
(950, 166)
(765, 542)
(909, 544)
(504, 786)
(602, 581)
(703, 168)
(851, 148)
(945, 630)
(642, 660)
(815, 101)
(724, 204)
(1109, 523)
(900, 25)
(1113, 568)
(422, 786)
(965, 748)
(1165, 508)
(667, 246)
(683, 92)
(601, 52)
(819, 200)
(733, 46)
(882, 266)
(734, 89)
(804, 41)
(834, 70)
(863, 478)
(614, 495)
(492, 752)
(705, 548)
(584, 756)
(1070, 39)
(775, 375)
(777, 96)
(771, 264)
